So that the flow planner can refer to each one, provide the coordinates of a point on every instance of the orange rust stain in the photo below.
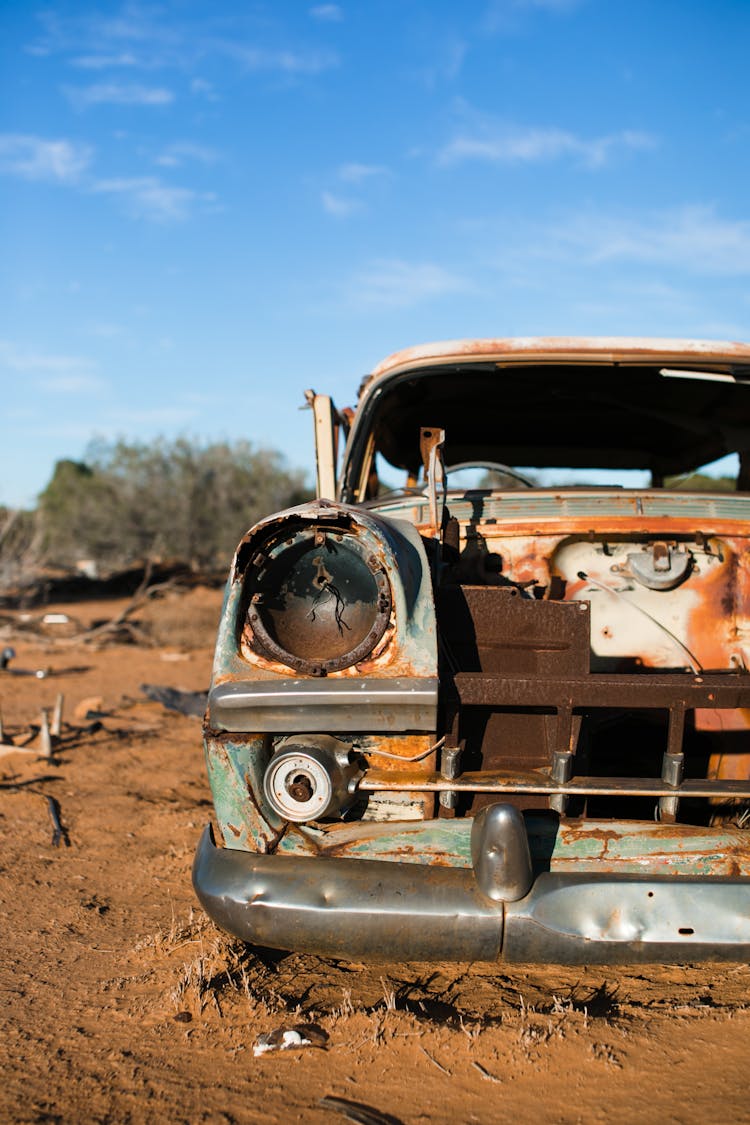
(724, 720)
(405, 746)
(511, 526)
(729, 766)
(601, 349)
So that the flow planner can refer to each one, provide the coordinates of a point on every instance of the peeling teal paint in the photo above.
(235, 769)
(606, 847)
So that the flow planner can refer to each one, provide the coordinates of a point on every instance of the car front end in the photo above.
(497, 719)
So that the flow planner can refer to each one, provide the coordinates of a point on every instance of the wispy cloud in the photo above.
(38, 158)
(156, 416)
(104, 62)
(55, 367)
(442, 58)
(327, 13)
(287, 62)
(510, 144)
(202, 88)
(72, 384)
(132, 36)
(506, 15)
(355, 176)
(148, 197)
(358, 173)
(548, 5)
(340, 205)
(183, 152)
(153, 38)
(395, 283)
(692, 239)
(117, 93)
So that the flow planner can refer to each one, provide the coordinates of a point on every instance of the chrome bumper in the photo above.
(379, 910)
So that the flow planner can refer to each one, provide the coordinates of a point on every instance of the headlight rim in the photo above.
(383, 604)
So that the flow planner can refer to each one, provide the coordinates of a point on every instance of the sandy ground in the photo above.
(122, 1003)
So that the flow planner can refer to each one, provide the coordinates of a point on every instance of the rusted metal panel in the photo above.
(479, 689)
(235, 772)
(610, 847)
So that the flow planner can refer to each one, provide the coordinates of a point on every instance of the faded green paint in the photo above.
(247, 823)
(397, 545)
(606, 847)
(235, 773)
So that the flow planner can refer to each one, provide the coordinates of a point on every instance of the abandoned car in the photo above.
(488, 697)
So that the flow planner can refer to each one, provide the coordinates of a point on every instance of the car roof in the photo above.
(577, 402)
(562, 349)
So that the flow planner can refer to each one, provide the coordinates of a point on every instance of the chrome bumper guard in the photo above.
(496, 910)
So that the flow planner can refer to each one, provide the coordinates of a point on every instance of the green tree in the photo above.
(181, 499)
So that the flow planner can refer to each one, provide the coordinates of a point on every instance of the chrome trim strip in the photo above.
(350, 704)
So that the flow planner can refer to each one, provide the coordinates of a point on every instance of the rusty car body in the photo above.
(482, 717)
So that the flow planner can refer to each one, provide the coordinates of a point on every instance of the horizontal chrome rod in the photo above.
(376, 781)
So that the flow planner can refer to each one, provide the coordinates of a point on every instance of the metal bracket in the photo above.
(673, 763)
(431, 443)
(450, 768)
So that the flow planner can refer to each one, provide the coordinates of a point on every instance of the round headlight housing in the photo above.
(321, 600)
(310, 779)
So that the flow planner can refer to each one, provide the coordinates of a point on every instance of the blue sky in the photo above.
(206, 208)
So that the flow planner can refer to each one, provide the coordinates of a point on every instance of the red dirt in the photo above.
(122, 1003)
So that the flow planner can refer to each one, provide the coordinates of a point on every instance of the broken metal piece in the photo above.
(59, 831)
(8, 654)
(186, 702)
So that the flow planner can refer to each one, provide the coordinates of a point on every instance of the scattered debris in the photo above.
(186, 702)
(56, 724)
(45, 736)
(90, 707)
(435, 1062)
(485, 1073)
(357, 1111)
(11, 748)
(59, 831)
(290, 1038)
(119, 627)
(9, 654)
